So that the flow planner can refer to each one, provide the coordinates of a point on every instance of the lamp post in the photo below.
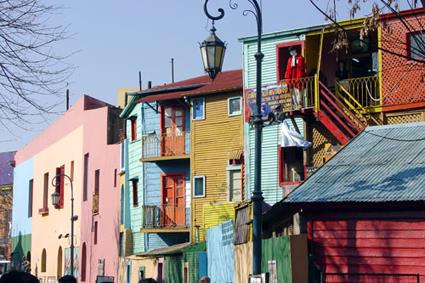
(56, 200)
(208, 49)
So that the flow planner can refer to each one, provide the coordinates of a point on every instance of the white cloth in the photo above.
(290, 137)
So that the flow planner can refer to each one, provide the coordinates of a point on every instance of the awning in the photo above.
(236, 154)
(175, 249)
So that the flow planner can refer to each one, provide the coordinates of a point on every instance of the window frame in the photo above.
(86, 166)
(133, 128)
(280, 71)
(203, 177)
(135, 188)
(230, 168)
(409, 45)
(240, 106)
(30, 197)
(193, 109)
(282, 181)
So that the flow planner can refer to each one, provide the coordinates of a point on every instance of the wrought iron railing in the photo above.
(371, 277)
(164, 216)
(159, 145)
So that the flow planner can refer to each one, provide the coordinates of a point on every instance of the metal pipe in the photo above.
(172, 70)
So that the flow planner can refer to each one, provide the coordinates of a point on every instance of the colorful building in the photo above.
(362, 212)
(337, 94)
(83, 144)
(6, 199)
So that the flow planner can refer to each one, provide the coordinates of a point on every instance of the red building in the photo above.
(363, 211)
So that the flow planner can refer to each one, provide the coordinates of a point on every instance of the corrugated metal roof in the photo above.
(382, 164)
(6, 170)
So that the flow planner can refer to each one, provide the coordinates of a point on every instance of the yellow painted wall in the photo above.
(149, 264)
(46, 229)
(212, 140)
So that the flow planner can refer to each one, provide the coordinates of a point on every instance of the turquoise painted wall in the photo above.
(135, 170)
(21, 221)
(220, 253)
(272, 192)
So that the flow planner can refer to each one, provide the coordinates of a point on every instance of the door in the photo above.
(173, 131)
(173, 200)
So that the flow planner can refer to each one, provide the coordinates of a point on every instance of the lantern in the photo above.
(212, 52)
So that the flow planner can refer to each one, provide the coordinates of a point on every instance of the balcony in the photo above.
(164, 218)
(95, 204)
(159, 147)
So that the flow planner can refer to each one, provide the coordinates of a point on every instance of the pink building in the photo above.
(83, 144)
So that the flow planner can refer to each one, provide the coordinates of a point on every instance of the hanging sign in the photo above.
(272, 96)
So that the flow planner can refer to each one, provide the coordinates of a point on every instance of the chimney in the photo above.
(149, 84)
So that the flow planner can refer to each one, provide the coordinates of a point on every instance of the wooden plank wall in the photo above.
(369, 246)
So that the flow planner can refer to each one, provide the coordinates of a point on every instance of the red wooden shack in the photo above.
(364, 210)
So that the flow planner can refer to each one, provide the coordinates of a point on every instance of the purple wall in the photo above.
(6, 170)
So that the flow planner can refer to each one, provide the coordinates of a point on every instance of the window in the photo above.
(30, 194)
(43, 260)
(122, 156)
(198, 109)
(86, 176)
(83, 262)
(115, 177)
(121, 251)
(199, 186)
(134, 185)
(72, 170)
(291, 165)
(60, 185)
(45, 192)
(234, 106)
(133, 122)
(96, 181)
(416, 49)
(234, 183)
(95, 233)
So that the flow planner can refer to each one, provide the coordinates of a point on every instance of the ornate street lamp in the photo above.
(257, 195)
(212, 52)
(55, 201)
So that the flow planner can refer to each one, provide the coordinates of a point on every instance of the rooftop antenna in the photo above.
(172, 70)
(140, 80)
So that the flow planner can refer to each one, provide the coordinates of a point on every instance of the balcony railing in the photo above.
(95, 204)
(156, 145)
(298, 93)
(165, 216)
(360, 93)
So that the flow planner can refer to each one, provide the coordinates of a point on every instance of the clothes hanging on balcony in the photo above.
(289, 137)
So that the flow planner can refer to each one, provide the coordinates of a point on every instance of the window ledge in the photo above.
(43, 211)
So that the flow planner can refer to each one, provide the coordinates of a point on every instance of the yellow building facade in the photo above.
(216, 160)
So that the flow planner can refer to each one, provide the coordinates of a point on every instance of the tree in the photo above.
(31, 74)
(377, 8)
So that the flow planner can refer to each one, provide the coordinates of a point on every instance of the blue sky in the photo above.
(116, 39)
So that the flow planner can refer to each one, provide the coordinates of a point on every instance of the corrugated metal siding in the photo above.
(278, 250)
(173, 269)
(214, 214)
(134, 170)
(383, 163)
(353, 245)
(269, 72)
(220, 253)
(212, 140)
(161, 240)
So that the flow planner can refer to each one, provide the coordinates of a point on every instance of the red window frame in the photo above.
(282, 181)
(133, 122)
(280, 72)
(162, 117)
(134, 186)
(408, 45)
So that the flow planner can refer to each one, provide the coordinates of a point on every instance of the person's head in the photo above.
(205, 279)
(67, 279)
(18, 277)
(292, 51)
